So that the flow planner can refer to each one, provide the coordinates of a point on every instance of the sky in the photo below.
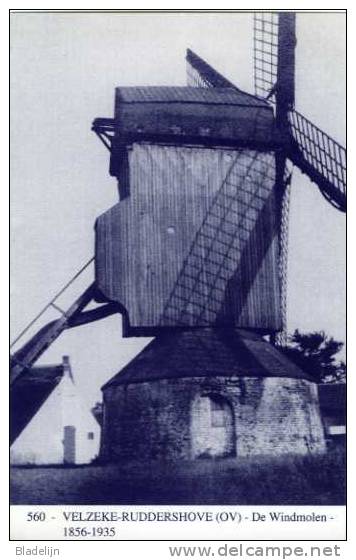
(64, 71)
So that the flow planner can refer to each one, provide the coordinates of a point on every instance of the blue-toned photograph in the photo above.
(178, 282)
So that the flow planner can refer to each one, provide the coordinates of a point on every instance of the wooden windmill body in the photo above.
(193, 241)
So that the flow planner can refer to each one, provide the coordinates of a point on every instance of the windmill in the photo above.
(199, 237)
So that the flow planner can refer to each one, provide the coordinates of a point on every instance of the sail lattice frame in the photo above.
(265, 29)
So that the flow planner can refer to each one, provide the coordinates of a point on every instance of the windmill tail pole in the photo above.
(52, 302)
(23, 359)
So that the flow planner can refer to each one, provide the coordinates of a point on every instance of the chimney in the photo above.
(67, 367)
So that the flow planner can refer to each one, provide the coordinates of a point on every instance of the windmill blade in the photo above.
(265, 32)
(274, 58)
(309, 148)
(320, 157)
(201, 74)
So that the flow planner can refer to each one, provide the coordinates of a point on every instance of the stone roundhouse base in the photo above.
(210, 393)
(198, 417)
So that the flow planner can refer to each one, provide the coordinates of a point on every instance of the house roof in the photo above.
(204, 353)
(29, 392)
(167, 94)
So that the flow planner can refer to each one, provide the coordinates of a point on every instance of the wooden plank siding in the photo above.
(195, 241)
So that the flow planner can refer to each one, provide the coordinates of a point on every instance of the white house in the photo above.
(62, 430)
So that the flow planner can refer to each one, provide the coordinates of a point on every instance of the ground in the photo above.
(283, 481)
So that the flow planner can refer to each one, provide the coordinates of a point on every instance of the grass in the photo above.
(291, 480)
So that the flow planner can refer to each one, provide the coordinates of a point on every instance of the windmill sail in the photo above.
(309, 148)
(201, 74)
(320, 157)
(265, 30)
(274, 60)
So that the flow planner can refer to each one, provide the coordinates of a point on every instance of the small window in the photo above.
(90, 435)
(218, 417)
(337, 430)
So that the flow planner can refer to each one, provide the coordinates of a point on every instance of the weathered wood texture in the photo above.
(189, 115)
(247, 124)
(195, 242)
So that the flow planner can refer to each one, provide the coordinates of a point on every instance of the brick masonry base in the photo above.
(173, 419)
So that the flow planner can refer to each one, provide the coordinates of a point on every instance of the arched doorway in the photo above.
(212, 427)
